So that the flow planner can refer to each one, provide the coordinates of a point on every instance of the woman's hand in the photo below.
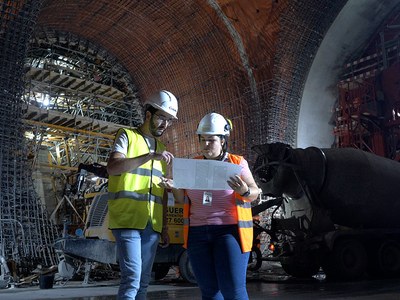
(237, 184)
(168, 183)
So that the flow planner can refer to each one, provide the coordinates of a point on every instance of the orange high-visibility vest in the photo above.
(243, 206)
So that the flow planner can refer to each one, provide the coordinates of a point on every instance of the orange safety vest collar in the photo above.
(243, 206)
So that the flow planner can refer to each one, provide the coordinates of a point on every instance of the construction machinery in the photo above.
(339, 210)
(95, 244)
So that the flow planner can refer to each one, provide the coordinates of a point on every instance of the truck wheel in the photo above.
(347, 261)
(255, 259)
(185, 268)
(386, 260)
(300, 267)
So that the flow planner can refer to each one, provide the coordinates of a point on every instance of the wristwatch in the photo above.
(247, 193)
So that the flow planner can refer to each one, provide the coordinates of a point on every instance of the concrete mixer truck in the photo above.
(340, 210)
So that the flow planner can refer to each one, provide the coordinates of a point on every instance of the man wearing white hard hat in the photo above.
(137, 203)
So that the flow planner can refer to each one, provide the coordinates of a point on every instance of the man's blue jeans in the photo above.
(136, 251)
(218, 262)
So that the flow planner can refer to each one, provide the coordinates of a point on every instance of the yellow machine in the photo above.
(97, 222)
(98, 243)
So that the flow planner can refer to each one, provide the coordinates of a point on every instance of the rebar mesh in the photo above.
(26, 230)
(303, 26)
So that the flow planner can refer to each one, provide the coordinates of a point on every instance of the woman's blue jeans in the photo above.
(218, 262)
(136, 250)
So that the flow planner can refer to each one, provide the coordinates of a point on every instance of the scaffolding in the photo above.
(76, 97)
(367, 114)
(358, 118)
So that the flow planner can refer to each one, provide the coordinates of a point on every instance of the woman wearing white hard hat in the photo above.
(218, 225)
(137, 202)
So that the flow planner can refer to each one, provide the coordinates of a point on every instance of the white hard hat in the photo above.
(214, 124)
(165, 101)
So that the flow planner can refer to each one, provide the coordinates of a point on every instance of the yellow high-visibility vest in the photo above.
(135, 196)
(243, 207)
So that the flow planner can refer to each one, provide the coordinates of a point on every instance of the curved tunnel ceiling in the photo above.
(214, 56)
(209, 54)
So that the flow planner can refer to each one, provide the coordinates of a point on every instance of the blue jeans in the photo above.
(218, 262)
(136, 250)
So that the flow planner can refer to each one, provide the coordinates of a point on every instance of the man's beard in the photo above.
(154, 129)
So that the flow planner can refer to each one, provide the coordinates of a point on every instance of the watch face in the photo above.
(246, 194)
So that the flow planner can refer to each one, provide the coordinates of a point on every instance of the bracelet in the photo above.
(247, 193)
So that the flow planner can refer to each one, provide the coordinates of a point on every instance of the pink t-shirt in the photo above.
(222, 210)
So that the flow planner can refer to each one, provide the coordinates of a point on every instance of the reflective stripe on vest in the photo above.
(243, 207)
(136, 196)
(146, 172)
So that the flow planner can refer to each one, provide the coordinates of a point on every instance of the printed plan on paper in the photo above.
(203, 174)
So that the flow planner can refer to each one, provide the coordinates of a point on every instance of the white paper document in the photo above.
(203, 174)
